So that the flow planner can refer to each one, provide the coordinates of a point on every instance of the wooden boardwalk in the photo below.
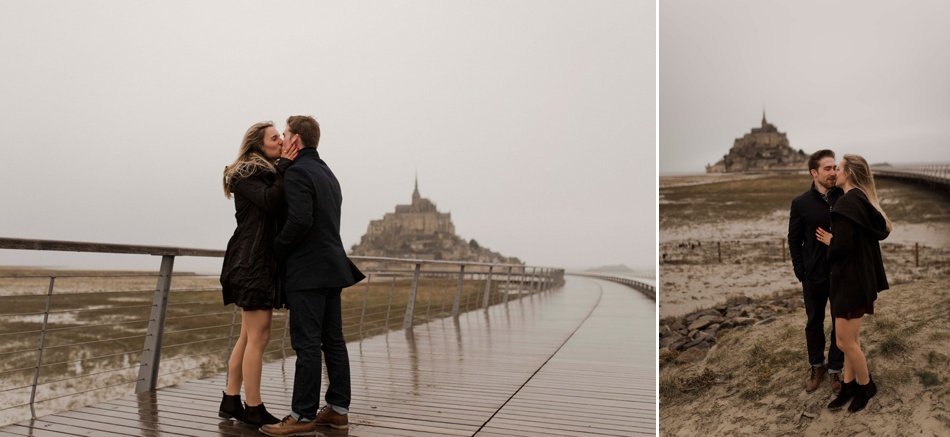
(578, 360)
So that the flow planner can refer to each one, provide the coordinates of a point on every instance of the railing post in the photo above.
(369, 278)
(524, 274)
(390, 306)
(152, 350)
(407, 323)
(487, 287)
(507, 284)
(458, 292)
(39, 353)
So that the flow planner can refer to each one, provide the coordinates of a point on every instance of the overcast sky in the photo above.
(865, 77)
(532, 122)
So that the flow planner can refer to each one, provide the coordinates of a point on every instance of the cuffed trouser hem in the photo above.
(298, 417)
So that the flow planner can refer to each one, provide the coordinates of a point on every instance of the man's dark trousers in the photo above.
(316, 323)
(816, 299)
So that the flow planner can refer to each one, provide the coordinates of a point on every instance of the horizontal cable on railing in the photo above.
(79, 360)
(60, 294)
(195, 290)
(191, 316)
(201, 328)
(80, 310)
(15, 406)
(204, 353)
(191, 342)
(89, 391)
(196, 302)
(66, 328)
(20, 332)
(36, 313)
(77, 275)
(99, 341)
(190, 369)
(136, 366)
(19, 369)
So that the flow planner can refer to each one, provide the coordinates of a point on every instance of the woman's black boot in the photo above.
(258, 416)
(847, 392)
(864, 394)
(231, 407)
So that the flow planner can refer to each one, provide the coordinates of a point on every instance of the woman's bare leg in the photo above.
(848, 337)
(258, 335)
(235, 371)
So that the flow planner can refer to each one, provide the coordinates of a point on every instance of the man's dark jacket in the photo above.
(308, 246)
(249, 276)
(809, 211)
(857, 270)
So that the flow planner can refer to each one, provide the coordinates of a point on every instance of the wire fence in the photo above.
(775, 250)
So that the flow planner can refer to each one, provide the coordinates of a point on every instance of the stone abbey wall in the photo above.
(420, 231)
(764, 148)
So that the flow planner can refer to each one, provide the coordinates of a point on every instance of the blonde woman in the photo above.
(249, 276)
(857, 273)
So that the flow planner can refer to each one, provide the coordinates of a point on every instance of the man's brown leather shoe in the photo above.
(817, 373)
(835, 383)
(289, 426)
(326, 416)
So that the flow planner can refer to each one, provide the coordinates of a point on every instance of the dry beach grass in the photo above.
(750, 382)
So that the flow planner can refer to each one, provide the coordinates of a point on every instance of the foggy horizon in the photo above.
(527, 121)
(854, 77)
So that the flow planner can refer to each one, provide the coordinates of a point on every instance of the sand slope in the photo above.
(752, 381)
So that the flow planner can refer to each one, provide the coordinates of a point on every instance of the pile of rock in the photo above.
(686, 339)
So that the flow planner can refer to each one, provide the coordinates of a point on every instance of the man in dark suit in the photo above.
(810, 211)
(316, 269)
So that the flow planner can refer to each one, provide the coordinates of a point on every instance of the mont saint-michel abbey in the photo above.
(420, 231)
(764, 148)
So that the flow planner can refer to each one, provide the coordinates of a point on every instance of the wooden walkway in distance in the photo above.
(578, 360)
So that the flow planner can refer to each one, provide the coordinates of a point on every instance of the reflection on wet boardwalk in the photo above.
(578, 360)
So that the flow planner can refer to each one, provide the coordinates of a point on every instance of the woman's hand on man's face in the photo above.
(289, 151)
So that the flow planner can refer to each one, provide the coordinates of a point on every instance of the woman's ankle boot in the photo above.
(864, 394)
(258, 416)
(848, 391)
(231, 407)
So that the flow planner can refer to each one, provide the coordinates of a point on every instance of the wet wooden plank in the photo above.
(595, 381)
(566, 362)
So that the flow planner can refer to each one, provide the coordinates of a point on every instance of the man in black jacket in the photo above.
(316, 269)
(809, 211)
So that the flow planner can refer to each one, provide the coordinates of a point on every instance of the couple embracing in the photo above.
(834, 235)
(287, 252)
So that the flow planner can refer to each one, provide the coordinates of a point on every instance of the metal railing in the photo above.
(936, 176)
(648, 290)
(85, 336)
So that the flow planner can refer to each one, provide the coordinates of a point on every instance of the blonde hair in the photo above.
(858, 172)
(250, 159)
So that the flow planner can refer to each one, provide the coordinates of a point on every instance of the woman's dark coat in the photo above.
(857, 270)
(249, 276)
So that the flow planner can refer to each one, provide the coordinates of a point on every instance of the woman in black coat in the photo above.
(249, 276)
(857, 273)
